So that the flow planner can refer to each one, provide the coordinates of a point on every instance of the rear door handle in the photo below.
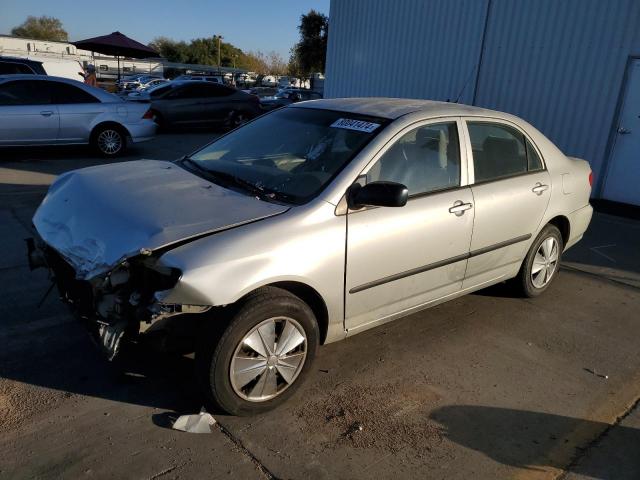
(460, 207)
(539, 188)
(46, 113)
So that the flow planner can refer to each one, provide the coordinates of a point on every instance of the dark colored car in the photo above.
(262, 92)
(287, 97)
(13, 66)
(197, 103)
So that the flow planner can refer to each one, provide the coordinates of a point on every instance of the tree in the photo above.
(310, 53)
(41, 28)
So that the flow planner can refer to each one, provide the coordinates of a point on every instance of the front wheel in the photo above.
(541, 264)
(262, 356)
(109, 141)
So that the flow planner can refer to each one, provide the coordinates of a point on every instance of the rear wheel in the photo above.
(109, 140)
(541, 264)
(262, 356)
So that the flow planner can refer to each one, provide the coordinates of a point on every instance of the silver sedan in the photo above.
(45, 110)
(310, 224)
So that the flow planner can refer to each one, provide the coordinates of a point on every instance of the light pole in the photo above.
(219, 38)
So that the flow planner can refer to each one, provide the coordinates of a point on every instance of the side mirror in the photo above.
(295, 97)
(378, 194)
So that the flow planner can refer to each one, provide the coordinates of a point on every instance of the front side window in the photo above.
(25, 92)
(289, 155)
(500, 151)
(426, 159)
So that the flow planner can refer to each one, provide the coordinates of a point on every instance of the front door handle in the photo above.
(539, 188)
(459, 207)
(46, 113)
(623, 131)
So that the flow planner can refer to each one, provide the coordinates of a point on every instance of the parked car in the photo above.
(155, 82)
(202, 78)
(15, 65)
(310, 224)
(46, 110)
(70, 69)
(193, 103)
(287, 97)
(262, 92)
(269, 81)
(133, 83)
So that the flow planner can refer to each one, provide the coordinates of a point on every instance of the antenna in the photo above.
(466, 83)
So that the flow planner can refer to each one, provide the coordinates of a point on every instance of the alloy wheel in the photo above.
(268, 359)
(545, 262)
(109, 141)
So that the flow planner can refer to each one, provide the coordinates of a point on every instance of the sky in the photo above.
(247, 24)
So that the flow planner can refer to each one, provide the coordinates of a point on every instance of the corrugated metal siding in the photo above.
(409, 48)
(559, 65)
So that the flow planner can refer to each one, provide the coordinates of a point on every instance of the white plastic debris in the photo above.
(201, 422)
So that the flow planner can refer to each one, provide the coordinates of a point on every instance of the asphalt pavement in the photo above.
(486, 386)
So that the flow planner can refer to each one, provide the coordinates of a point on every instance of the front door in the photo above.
(26, 114)
(621, 183)
(402, 258)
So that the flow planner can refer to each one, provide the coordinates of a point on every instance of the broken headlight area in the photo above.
(120, 304)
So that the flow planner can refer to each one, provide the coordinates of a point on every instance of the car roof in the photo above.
(392, 108)
(19, 60)
(95, 91)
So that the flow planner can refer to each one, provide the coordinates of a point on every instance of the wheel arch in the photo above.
(108, 123)
(308, 295)
(563, 224)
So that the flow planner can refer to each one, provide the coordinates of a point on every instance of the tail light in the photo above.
(148, 115)
(591, 179)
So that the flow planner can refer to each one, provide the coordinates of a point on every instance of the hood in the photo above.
(97, 217)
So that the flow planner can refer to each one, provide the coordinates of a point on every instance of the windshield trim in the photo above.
(384, 123)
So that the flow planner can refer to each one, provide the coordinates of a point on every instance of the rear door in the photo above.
(401, 258)
(77, 110)
(511, 190)
(182, 106)
(26, 114)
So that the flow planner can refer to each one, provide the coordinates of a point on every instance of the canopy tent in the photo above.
(118, 45)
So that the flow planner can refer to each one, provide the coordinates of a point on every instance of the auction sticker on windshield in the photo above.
(358, 125)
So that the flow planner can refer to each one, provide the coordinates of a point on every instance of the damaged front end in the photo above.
(121, 304)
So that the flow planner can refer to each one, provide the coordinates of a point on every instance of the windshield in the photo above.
(292, 154)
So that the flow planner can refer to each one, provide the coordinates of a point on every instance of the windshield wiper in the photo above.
(217, 176)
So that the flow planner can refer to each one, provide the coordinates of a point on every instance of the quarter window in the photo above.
(63, 93)
(426, 159)
(500, 151)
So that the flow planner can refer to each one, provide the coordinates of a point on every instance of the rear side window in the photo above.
(533, 159)
(499, 151)
(25, 92)
(63, 93)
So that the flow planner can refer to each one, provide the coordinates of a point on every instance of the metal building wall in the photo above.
(559, 64)
(407, 48)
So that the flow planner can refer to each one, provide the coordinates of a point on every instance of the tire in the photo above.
(223, 356)
(540, 266)
(109, 140)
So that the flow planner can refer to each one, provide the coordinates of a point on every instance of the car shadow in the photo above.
(537, 440)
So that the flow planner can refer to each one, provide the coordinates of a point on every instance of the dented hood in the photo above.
(98, 216)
